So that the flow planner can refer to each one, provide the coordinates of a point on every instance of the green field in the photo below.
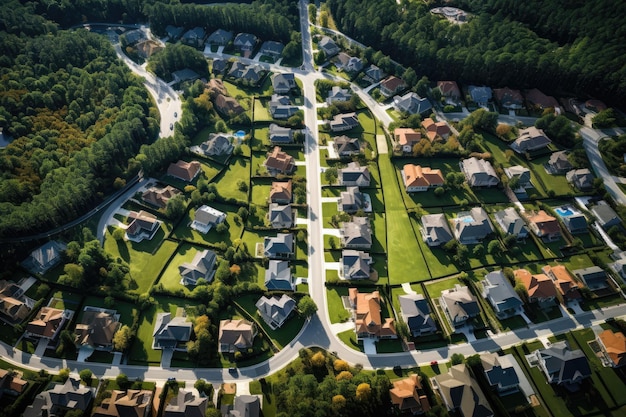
(238, 170)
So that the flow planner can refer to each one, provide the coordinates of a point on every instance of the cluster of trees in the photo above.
(613, 154)
(177, 57)
(558, 128)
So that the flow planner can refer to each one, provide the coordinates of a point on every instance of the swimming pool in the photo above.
(564, 211)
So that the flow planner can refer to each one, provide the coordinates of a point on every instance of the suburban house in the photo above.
(436, 131)
(581, 179)
(564, 282)
(143, 225)
(280, 216)
(173, 32)
(201, 267)
(338, 94)
(511, 223)
(558, 163)
(215, 87)
(185, 171)
(354, 175)
(279, 246)
(409, 396)
(594, 277)
(134, 402)
(563, 366)
(460, 392)
(344, 121)
(171, 332)
(13, 303)
(605, 215)
(158, 197)
(245, 42)
(406, 139)
(71, 395)
(416, 314)
(252, 74)
(281, 108)
(347, 63)
(278, 276)
(244, 406)
(435, 229)
(48, 323)
(275, 310)
(283, 83)
(228, 106)
(613, 346)
(97, 327)
(411, 103)
(480, 95)
(459, 304)
(536, 98)
(544, 226)
(368, 322)
(207, 217)
(450, 90)
(346, 147)
(417, 178)
(497, 289)
(131, 37)
(479, 172)
(356, 264)
(281, 192)
(44, 257)
(508, 98)
(374, 73)
(540, 288)
(220, 37)
(500, 372)
(279, 134)
(328, 46)
(217, 144)
(272, 48)
(185, 403)
(472, 226)
(530, 139)
(185, 74)
(279, 162)
(574, 220)
(194, 37)
(147, 48)
(236, 335)
(619, 266)
(353, 200)
(356, 234)
(237, 69)
(11, 383)
(522, 174)
(391, 86)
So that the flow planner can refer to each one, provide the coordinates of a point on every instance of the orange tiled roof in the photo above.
(615, 345)
(406, 136)
(538, 286)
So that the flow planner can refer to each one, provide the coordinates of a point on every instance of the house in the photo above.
(345, 121)
(368, 322)
(479, 172)
(134, 402)
(185, 171)
(613, 346)
(347, 63)
(530, 139)
(539, 287)
(279, 162)
(480, 95)
(272, 48)
(283, 83)
(13, 304)
(171, 332)
(275, 310)
(281, 108)
(278, 276)
(206, 218)
(70, 395)
(245, 42)
(201, 267)
(356, 234)
(338, 94)
(511, 223)
(218, 144)
(220, 37)
(544, 226)
(215, 87)
(48, 323)
(435, 229)
(501, 295)
(508, 98)
(436, 131)
(143, 225)
(605, 215)
(581, 179)
(245, 406)
(460, 392)
(148, 48)
(11, 383)
(565, 284)
(252, 74)
(594, 277)
(500, 372)
(353, 200)
(374, 73)
(417, 178)
(411, 103)
(97, 327)
(391, 86)
(595, 105)
(328, 46)
(236, 335)
(406, 139)
(521, 174)
(185, 403)
(279, 246)
(134, 36)
(280, 216)
(281, 192)
(237, 70)
(409, 396)
(535, 98)
(279, 134)
(574, 220)
(416, 314)
(194, 37)
(558, 163)
(173, 32)
(355, 264)
(450, 90)
(472, 226)
(185, 74)
(354, 175)
(459, 304)
(563, 366)
(346, 147)
(158, 197)
(44, 257)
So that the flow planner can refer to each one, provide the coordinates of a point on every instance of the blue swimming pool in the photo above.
(564, 211)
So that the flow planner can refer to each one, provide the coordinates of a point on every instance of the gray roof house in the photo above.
(279, 134)
(207, 217)
(480, 95)
(171, 332)
(278, 276)
(346, 147)
(329, 47)
(237, 69)
(347, 63)
(354, 175)
(500, 293)
(220, 37)
(275, 310)
(194, 37)
(558, 163)
(435, 229)
(472, 226)
(594, 277)
(283, 83)
(355, 264)
(70, 395)
(338, 94)
(353, 200)
(281, 107)
(459, 305)
(511, 223)
(374, 73)
(272, 48)
(245, 406)
(252, 74)
(44, 257)
(343, 122)
(279, 246)
(217, 144)
(202, 266)
(356, 234)
(520, 172)
(185, 403)
(500, 372)
(416, 314)
(236, 335)
(173, 32)
(460, 391)
(245, 42)
(530, 139)
(582, 179)
(574, 220)
(280, 216)
(479, 172)
(563, 366)
(605, 215)
(412, 103)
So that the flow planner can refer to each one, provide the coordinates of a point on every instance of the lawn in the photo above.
(227, 184)
(235, 227)
(336, 311)
(170, 278)
(348, 337)
(261, 111)
(435, 288)
(126, 310)
(546, 181)
(260, 191)
(439, 262)
(261, 137)
(379, 238)
(210, 169)
(64, 300)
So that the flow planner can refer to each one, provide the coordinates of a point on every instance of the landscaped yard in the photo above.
(227, 183)
(336, 310)
(235, 227)
(170, 278)
(557, 183)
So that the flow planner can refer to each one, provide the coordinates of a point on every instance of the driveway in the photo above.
(166, 358)
(369, 346)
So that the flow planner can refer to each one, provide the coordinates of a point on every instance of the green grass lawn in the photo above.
(66, 300)
(170, 278)
(336, 311)
(210, 169)
(435, 288)
(235, 228)
(126, 310)
(439, 262)
(379, 232)
(260, 138)
(260, 191)
(261, 111)
(349, 338)
(238, 170)
(546, 181)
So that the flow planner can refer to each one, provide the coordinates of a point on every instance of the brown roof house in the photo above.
(460, 392)
(281, 192)
(540, 288)
(48, 323)
(391, 86)
(368, 321)
(11, 383)
(216, 87)
(159, 197)
(450, 90)
(13, 303)
(236, 335)
(184, 170)
(613, 347)
(279, 162)
(544, 226)
(228, 106)
(436, 131)
(566, 285)
(131, 403)
(417, 178)
(97, 327)
(143, 225)
(406, 139)
(537, 99)
(409, 396)
(508, 98)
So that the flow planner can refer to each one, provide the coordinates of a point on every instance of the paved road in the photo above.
(115, 205)
(591, 138)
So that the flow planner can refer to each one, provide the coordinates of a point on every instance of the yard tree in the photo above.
(363, 392)
(439, 191)
(457, 358)
(340, 365)
(331, 175)
(85, 376)
(502, 130)
(318, 359)
(493, 247)
(122, 381)
(118, 234)
(344, 375)
(223, 272)
(514, 183)
(306, 306)
(175, 207)
(478, 251)
(339, 401)
(122, 338)
(64, 374)
(221, 228)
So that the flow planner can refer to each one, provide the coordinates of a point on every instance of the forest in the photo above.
(563, 48)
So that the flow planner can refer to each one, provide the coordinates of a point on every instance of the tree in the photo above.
(514, 183)
(175, 207)
(331, 175)
(457, 358)
(118, 234)
(503, 130)
(493, 247)
(235, 270)
(339, 401)
(363, 392)
(242, 186)
(340, 365)
(122, 381)
(473, 360)
(318, 359)
(439, 191)
(122, 338)
(221, 228)
(85, 376)
(64, 374)
(306, 306)
(344, 375)
(478, 250)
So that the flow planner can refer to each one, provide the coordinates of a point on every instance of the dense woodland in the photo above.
(561, 47)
